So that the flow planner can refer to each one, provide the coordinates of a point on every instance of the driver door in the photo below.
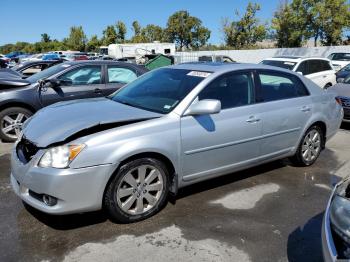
(77, 83)
(214, 144)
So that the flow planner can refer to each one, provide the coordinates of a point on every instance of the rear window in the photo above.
(283, 64)
(340, 56)
(277, 86)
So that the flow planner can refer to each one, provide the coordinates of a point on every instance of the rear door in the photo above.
(79, 82)
(117, 76)
(285, 107)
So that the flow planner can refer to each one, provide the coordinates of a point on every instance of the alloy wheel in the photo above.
(140, 189)
(311, 146)
(11, 124)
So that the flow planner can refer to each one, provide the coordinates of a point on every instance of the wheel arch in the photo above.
(151, 154)
(323, 127)
(17, 104)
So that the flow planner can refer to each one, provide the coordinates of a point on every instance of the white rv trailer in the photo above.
(137, 52)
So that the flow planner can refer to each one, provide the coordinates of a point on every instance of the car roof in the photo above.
(217, 67)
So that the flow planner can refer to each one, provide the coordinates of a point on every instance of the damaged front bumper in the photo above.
(71, 189)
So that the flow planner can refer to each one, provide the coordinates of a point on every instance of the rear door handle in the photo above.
(306, 109)
(252, 119)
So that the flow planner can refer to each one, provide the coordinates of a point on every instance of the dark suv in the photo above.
(21, 98)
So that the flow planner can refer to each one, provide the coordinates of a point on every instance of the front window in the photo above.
(232, 90)
(87, 75)
(159, 90)
(283, 64)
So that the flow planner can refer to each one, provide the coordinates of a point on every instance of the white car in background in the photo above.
(339, 60)
(35, 57)
(319, 70)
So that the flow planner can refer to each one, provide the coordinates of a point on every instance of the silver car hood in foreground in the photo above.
(63, 121)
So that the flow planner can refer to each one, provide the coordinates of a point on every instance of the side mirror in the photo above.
(204, 107)
(53, 83)
(300, 73)
(340, 80)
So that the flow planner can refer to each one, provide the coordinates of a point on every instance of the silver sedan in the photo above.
(168, 129)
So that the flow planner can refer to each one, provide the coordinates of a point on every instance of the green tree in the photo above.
(45, 38)
(109, 35)
(93, 44)
(76, 39)
(152, 33)
(186, 30)
(291, 24)
(334, 20)
(121, 32)
(136, 27)
(246, 31)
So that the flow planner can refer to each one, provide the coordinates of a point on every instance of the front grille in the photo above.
(345, 101)
(26, 150)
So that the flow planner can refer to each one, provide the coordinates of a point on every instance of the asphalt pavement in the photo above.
(268, 213)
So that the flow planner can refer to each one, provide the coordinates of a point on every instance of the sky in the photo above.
(26, 20)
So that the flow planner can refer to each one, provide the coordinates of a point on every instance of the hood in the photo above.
(341, 89)
(65, 121)
(12, 81)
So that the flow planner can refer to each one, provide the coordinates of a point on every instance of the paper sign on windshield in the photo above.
(199, 74)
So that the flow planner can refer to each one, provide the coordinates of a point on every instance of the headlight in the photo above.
(61, 156)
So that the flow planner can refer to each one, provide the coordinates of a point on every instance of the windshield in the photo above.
(283, 64)
(47, 72)
(160, 90)
(341, 56)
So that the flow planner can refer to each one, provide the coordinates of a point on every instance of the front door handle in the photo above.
(306, 109)
(252, 119)
(98, 91)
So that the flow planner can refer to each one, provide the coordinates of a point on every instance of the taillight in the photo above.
(338, 100)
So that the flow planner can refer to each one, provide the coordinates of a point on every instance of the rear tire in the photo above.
(138, 191)
(11, 121)
(309, 148)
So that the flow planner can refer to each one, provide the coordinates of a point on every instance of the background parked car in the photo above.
(339, 60)
(343, 73)
(67, 81)
(32, 67)
(51, 56)
(4, 61)
(318, 70)
(14, 55)
(343, 92)
(76, 57)
(34, 57)
(216, 58)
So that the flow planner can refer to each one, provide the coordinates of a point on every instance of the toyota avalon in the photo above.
(170, 128)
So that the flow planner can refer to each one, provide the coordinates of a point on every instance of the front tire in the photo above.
(138, 191)
(310, 147)
(11, 121)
